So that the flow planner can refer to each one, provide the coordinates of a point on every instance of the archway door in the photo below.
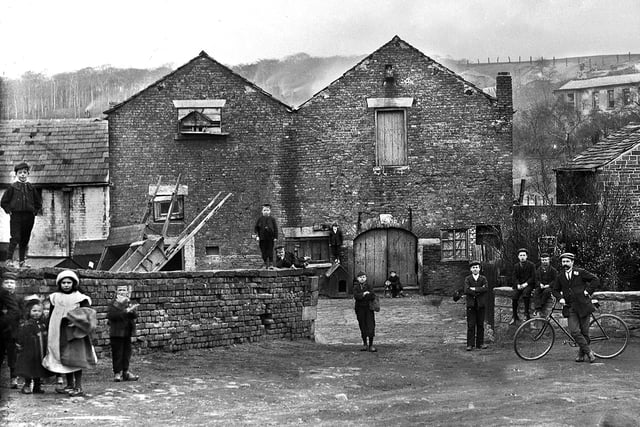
(380, 250)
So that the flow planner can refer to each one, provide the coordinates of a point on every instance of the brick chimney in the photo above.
(504, 91)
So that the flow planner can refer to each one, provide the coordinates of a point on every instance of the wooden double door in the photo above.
(380, 250)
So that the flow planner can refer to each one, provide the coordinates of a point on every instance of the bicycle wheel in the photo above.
(533, 339)
(609, 336)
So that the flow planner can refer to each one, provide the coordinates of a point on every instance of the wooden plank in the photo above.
(152, 197)
(174, 195)
(197, 218)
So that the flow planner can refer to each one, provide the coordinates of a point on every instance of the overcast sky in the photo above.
(51, 36)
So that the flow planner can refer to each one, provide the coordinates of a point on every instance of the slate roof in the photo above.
(60, 151)
(606, 150)
(624, 79)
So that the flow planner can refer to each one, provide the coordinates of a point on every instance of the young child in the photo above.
(9, 316)
(266, 231)
(363, 293)
(8, 346)
(31, 343)
(46, 316)
(22, 202)
(335, 241)
(122, 326)
(69, 349)
(393, 282)
(475, 288)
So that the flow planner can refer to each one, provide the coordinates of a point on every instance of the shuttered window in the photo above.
(391, 138)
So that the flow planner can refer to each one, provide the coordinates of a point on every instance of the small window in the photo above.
(626, 96)
(454, 244)
(391, 138)
(571, 99)
(212, 250)
(596, 100)
(199, 117)
(161, 206)
(610, 101)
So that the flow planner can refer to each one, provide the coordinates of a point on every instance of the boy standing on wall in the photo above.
(266, 231)
(22, 202)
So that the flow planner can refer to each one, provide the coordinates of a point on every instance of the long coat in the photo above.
(573, 290)
(32, 338)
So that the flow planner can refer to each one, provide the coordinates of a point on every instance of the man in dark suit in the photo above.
(573, 287)
(524, 280)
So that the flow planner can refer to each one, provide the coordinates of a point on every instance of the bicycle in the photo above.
(608, 333)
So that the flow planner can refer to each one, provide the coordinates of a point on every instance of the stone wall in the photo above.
(182, 310)
(623, 304)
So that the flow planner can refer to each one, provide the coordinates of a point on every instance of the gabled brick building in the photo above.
(70, 166)
(413, 162)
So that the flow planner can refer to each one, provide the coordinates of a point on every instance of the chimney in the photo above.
(504, 91)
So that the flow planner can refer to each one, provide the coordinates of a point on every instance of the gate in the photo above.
(380, 250)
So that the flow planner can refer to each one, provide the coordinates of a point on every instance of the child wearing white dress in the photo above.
(68, 299)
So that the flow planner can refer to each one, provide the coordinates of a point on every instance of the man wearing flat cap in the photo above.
(524, 280)
(573, 287)
(22, 202)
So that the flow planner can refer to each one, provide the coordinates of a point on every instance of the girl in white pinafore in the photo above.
(66, 299)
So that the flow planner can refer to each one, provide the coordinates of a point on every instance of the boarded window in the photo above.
(391, 140)
(454, 244)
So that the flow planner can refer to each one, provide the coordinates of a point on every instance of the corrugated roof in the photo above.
(606, 150)
(624, 79)
(60, 151)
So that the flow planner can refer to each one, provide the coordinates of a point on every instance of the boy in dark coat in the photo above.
(9, 316)
(22, 202)
(10, 328)
(122, 326)
(266, 231)
(335, 242)
(545, 276)
(286, 259)
(524, 279)
(363, 294)
(476, 287)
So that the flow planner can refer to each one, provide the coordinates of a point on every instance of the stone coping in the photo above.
(507, 291)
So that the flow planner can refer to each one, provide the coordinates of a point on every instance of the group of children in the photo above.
(53, 335)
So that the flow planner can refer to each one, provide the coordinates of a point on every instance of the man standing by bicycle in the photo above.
(573, 287)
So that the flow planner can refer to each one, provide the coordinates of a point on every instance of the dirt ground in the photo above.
(421, 375)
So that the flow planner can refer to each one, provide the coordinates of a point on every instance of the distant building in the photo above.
(601, 93)
(69, 161)
(612, 164)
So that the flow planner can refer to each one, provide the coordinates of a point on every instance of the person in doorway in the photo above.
(22, 202)
(545, 276)
(524, 278)
(393, 282)
(476, 287)
(573, 288)
(363, 295)
(266, 232)
(335, 242)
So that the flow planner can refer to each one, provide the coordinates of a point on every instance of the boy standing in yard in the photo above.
(266, 231)
(475, 288)
(22, 202)
(122, 326)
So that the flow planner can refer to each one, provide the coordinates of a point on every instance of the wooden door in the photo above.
(378, 251)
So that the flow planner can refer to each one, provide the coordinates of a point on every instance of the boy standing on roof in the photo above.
(22, 202)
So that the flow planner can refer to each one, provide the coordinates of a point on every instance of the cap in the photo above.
(544, 255)
(472, 263)
(568, 255)
(361, 273)
(21, 165)
(9, 275)
(525, 250)
(67, 274)
(279, 247)
(266, 205)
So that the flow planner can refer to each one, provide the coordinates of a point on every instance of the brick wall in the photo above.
(182, 310)
(441, 277)
(143, 146)
(622, 177)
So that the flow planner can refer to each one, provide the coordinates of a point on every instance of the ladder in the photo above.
(142, 256)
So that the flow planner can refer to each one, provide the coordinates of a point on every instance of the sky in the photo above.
(53, 36)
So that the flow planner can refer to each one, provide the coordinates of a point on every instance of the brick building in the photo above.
(612, 165)
(605, 93)
(70, 167)
(412, 161)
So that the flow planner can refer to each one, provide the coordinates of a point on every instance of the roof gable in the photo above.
(606, 150)
(398, 40)
(61, 151)
(202, 54)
